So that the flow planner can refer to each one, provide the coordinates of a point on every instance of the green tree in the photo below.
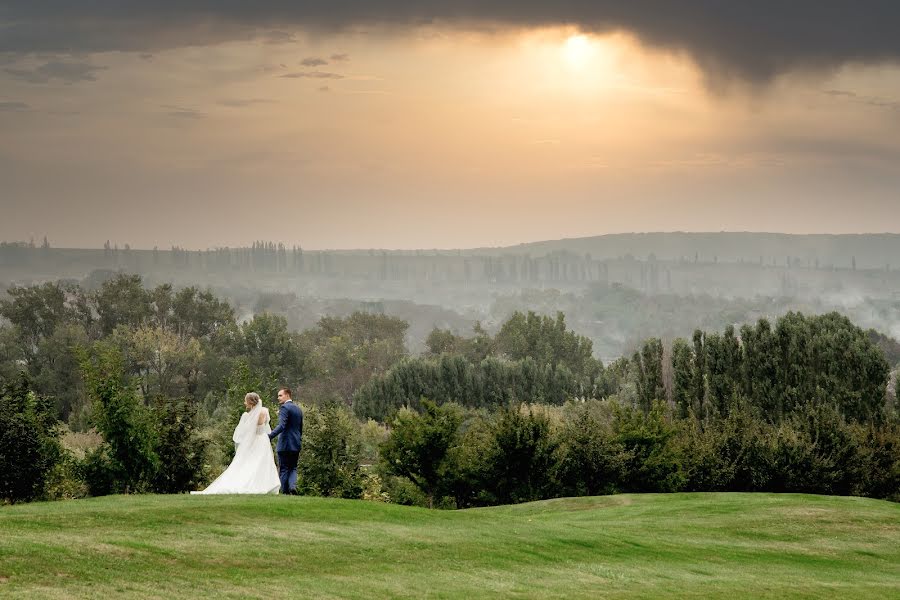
(56, 369)
(199, 314)
(419, 448)
(180, 446)
(122, 301)
(729, 454)
(648, 363)
(268, 347)
(332, 448)
(37, 311)
(816, 452)
(760, 368)
(589, 460)
(699, 376)
(547, 341)
(29, 442)
(682, 376)
(652, 463)
(444, 341)
(521, 460)
(12, 356)
(879, 461)
(127, 461)
(340, 355)
(828, 359)
(165, 363)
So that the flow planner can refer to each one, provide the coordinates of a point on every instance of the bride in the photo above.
(252, 471)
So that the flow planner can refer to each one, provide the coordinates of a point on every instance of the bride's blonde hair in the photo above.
(252, 398)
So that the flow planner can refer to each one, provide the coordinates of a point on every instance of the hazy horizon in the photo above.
(439, 125)
(298, 243)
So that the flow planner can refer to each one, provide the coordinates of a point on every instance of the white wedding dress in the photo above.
(252, 471)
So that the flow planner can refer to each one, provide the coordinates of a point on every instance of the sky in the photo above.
(398, 124)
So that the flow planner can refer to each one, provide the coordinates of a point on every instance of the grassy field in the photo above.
(630, 546)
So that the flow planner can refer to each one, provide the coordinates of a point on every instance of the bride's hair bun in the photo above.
(253, 397)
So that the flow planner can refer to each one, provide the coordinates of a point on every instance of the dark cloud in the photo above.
(312, 75)
(340, 57)
(324, 88)
(279, 37)
(728, 38)
(67, 72)
(313, 61)
(875, 101)
(13, 106)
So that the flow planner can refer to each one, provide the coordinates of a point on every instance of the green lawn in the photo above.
(630, 546)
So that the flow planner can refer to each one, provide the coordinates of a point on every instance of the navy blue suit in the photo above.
(290, 433)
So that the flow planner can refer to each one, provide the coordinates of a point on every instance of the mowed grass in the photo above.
(628, 546)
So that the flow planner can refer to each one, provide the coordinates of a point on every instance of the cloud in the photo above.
(876, 101)
(324, 88)
(840, 93)
(13, 106)
(67, 72)
(179, 112)
(243, 103)
(313, 61)
(279, 37)
(340, 57)
(754, 41)
(312, 75)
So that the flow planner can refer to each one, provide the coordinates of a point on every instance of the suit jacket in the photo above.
(290, 428)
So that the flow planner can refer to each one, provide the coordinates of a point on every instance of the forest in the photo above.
(125, 387)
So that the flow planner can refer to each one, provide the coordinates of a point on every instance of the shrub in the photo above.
(470, 463)
(732, 454)
(590, 460)
(419, 448)
(29, 443)
(329, 462)
(815, 452)
(66, 481)
(521, 458)
(652, 461)
(99, 471)
(179, 446)
(128, 456)
(879, 461)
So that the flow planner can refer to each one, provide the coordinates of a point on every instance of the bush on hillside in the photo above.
(329, 462)
(30, 448)
(179, 446)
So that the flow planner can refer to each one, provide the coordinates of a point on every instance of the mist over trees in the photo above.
(617, 290)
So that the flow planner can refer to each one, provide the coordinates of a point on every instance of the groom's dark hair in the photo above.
(287, 391)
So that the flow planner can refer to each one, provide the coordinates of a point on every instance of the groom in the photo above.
(289, 432)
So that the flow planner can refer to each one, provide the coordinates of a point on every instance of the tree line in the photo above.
(523, 414)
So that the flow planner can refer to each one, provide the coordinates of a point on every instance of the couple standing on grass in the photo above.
(252, 471)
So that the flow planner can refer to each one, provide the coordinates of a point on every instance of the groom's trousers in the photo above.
(287, 471)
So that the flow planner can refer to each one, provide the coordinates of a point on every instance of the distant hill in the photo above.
(871, 251)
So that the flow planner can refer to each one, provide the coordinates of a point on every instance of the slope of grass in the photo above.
(630, 546)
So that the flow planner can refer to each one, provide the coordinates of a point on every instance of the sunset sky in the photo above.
(433, 124)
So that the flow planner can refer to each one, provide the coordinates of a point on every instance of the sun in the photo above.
(578, 50)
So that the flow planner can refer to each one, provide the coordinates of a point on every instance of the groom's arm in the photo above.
(282, 417)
